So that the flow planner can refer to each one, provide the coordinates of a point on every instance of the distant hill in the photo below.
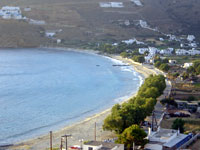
(84, 21)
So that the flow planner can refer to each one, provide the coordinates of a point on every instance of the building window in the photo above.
(90, 148)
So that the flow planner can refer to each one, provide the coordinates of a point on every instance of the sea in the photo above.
(47, 89)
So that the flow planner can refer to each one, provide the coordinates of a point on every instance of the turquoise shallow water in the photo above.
(46, 89)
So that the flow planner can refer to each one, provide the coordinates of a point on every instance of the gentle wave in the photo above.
(76, 83)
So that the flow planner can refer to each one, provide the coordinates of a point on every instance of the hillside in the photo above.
(85, 21)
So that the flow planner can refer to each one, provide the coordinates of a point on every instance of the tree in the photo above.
(150, 92)
(124, 54)
(114, 122)
(178, 124)
(157, 64)
(198, 69)
(139, 59)
(185, 75)
(123, 116)
(138, 108)
(191, 98)
(165, 60)
(191, 69)
(133, 134)
(164, 67)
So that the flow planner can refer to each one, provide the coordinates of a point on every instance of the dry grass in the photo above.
(195, 146)
(191, 124)
(84, 21)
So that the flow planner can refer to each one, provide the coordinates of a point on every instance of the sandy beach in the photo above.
(85, 129)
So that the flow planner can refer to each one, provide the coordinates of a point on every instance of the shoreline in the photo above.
(83, 129)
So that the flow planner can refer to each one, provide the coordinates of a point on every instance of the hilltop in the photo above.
(86, 21)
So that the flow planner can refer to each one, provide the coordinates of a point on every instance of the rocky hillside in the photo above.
(85, 21)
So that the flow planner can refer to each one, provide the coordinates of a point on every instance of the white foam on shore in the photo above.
(129, 69)
(111, 4)
(115, 61)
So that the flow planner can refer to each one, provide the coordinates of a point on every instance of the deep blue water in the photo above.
(43, 90)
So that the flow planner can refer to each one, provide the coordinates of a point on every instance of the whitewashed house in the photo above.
(167, 51)
(50, 34)
(111, 4)
(149, 59)
(127, 22)
(153, 51)
(181, 52)
(137, 2)
(171, 37)
(143, 50)
(194, 52)
(187, 65)
(161, 39)
(181, 45)
(143, 24)
(166, 139)
(172, 62)
(190, 38)
(98, 145)
(131, 41)
(192, 44)
(37, 22)
(10, 12)
(115, 44)
(58, 41)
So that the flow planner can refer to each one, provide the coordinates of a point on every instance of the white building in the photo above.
(167, 51)
(172, 37)
(58, 41)
(181, 52)
(111, 4)
(166, 139)
(190, 38)
(187, 65)
(194, 52)
(97, 145)
(137, 2)
(37, 22)
(172, 62)
(143, 24)
(153, 50)
(149, 59)
(131, 41)
(192, 44)
(127, 22)
(161, 39)
(9, 12)
(143, 50)
(50, 34)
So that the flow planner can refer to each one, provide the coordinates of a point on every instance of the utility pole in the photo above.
(61, 146)
(133, 146)
(66, 136)
(95, 131)
(81, 141)
(51, 140)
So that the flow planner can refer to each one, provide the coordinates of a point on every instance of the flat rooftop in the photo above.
(164, 133)
(105, 145)
(176, 140)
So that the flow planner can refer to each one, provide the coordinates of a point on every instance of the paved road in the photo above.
(159, 108)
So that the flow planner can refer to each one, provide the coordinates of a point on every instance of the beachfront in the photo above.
(84, 129)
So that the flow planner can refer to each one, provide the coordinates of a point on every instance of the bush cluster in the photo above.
(138, 108)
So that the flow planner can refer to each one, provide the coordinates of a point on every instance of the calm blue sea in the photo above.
(47, 89)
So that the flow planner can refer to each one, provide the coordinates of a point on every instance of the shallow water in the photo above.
(43, 90)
